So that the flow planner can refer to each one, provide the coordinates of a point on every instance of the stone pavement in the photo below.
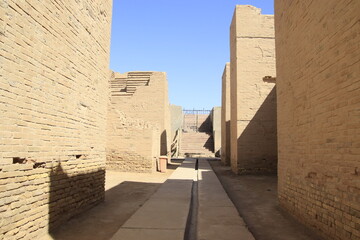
(125, 194)
(218, 219)
(255, 197)
(168, 214)
(164, 215)
(181, 204)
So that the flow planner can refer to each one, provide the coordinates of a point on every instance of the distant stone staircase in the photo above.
(126, 86)
(196, 138)
(197, 143)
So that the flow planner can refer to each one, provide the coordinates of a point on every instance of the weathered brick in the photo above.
(53, 95)
(253, 139)
(225, 116)
(317, 51)
(138, 121)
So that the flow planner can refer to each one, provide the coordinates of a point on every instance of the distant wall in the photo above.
(176, 113)
(318, 88)
(253, 101)
(196, 138)
(139, 104)
(133, 145)
(216, 129)
(225, 116)
(53, 94)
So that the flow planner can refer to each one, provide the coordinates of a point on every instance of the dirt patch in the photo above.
(255, 197)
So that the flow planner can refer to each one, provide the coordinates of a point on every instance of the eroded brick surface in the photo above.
(138, 121)
(53, 103)
(225, 116)
(253, 102)
(318, 89)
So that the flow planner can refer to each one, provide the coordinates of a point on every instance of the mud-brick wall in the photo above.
(253, 101)
(215, 117)
(318, 88)
(133, 145)
(225, 116)
(149, 102)
(53, 104)
(176, 122)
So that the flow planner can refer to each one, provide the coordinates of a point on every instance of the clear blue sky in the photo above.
(188, 39)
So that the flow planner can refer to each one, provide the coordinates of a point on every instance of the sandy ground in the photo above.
(125, 194)
(255, 198)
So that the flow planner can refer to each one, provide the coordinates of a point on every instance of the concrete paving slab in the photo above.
(255, 197)
(161, 213)
(173, 191)
(148, 234)
(214, 200)
(222, 232)
(210, 188)
(218, 219)
(220, 216)
(165, 214)
(125, 194)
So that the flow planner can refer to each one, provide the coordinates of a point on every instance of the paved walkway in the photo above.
(172, 214)
(255, 197)
(164, 215)
(125, 194)
(186, 203)
(218, 218)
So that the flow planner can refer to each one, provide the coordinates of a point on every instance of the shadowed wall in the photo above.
(318, 89)
(138, 121)
(53, 94)
(253, 104)
(225, 116)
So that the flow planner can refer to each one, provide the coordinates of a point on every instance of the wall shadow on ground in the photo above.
(175, 162)
(105, 219)
(102, 221)
(72, 195)
(257, 144)
(256, 199)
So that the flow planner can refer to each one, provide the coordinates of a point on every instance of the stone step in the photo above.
(197, 144)
(195, 150)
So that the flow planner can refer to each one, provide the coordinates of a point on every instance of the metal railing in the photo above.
(193, 111)
(196, 120)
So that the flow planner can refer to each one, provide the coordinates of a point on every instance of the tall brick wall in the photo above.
(225, 116)
(253, 102)
(139, 110)
(215, 117)
(318, 88)
(176, 115)
(133, 145)
(53, 103)
(196, 137)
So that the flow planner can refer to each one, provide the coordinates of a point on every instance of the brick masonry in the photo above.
(215, 117)
(225, 116)
(318, 92)
(138, 121)
(53, 103)
(253, 101)
(177, 117)
(133, 145)
(196, 138)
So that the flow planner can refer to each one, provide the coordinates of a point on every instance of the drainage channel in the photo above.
(191, 224)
